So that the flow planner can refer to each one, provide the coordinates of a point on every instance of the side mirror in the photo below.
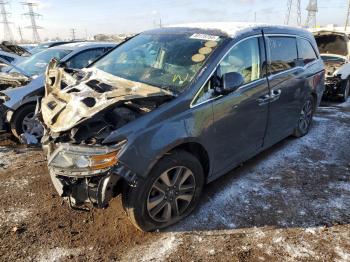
(62, 64)
(231, 82)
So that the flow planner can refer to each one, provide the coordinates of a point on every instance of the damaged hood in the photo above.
(70, 100)
(335, 43)
(14, 79)
(11, 80)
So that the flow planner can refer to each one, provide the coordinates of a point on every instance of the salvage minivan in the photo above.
(174, 108)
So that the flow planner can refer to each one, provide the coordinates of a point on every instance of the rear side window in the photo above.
(283, 53)
(306, 52)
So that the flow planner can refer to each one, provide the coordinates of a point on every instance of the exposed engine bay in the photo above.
(334, 48)
(74, 96)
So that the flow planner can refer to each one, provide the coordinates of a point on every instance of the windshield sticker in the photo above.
(198, 58)
(211, 44)
(205, 37)
(205, 50)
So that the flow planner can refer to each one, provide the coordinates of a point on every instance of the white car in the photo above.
(334, 48)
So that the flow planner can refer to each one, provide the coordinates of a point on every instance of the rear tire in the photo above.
(305, 117)
(169, 193)
(345, 91)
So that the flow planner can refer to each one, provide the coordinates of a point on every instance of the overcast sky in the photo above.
(116, 16)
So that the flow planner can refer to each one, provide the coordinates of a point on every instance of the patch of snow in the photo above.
(13, 215)
(343, 255)
(155, 251)
(57, 254)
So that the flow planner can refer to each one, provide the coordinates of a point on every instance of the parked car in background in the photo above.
(334, 47)
(28, 47)
(12, 53)
(44, 46)
(174, 108)
(17, 104)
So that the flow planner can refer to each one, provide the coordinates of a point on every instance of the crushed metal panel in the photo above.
(69, 101)
(12, 80)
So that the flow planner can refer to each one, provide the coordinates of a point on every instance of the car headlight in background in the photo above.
(85, 158)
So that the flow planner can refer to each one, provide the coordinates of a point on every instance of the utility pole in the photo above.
(312, 10)
(32, 15)
(291, 5)
(73, 33)
(347, 17)
(20, 34)
(4, 14)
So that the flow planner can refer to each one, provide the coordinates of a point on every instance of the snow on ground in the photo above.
(251, 197)
(57, 254)
(14, 215)
(159, 250)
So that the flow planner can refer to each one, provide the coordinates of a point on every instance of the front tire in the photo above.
(169, 193)
(23, 121)
(305, 118)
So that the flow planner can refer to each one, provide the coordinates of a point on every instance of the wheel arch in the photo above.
(193, 147)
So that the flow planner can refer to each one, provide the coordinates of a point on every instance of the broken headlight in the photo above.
(85, 158)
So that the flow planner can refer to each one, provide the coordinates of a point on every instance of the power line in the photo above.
(293, 6)
(73, 30)
(7, 30)
(347, 17)
(32, 15)
(312, 10)
(20, 33)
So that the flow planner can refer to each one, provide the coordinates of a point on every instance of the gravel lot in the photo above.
(290, 203)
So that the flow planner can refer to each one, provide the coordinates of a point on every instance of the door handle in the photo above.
(264, 99)
(275, 95)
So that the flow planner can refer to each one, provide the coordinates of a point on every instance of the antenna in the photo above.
(32, 15)
(312, 10)
(7, 30)
(293, 6)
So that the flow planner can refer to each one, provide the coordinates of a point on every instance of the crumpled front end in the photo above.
(83, 174)
(79, 110)
(12, 80)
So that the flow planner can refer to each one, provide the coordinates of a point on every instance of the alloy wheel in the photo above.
(306, 116)
(32, 126)
(171, 194)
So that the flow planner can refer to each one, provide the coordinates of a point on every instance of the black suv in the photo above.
(174, 108)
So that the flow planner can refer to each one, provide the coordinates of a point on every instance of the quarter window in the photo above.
(283, 53)
(306, 52)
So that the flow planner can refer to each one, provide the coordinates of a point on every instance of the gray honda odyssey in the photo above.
(172, 109)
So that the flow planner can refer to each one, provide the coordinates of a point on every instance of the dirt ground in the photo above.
(290, 203)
